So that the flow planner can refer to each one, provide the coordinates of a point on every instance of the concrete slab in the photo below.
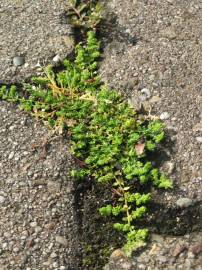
(34, 30)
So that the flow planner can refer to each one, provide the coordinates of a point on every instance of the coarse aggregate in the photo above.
(152, 54)
(38, 224)
(33, 34)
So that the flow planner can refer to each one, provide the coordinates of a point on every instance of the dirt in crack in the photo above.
(97, 237)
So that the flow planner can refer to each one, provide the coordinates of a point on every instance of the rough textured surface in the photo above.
(152, 54)
(166, 60)
(37, 31)
(38, 227)
(163, 252)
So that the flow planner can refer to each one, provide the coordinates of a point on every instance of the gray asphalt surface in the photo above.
(152, 53)
(35, 30)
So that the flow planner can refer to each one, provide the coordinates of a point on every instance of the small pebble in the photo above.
(184, 202)
(199, 139)
(2, 199)
(169, 33)
(7, 235)
(118, 253)
(145, 94)
(38, 65)
(47, 263)
(141, 267)
(164, 116)
(23, 237)
(16, 249)
(11, 128)
(178, 249)
(33, 224)
(38, 229)
(61, 240)
(55, 265)
(162, 259)
(155, 99)
(53, 255)
(196, 249)
(4, 245)
(11, 155)
(18, 61)
(169, 167)
(190, 255)
(56, 59)
(146, 91)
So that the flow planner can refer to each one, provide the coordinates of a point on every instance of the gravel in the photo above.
(156, 45)
(32, 34)
(151, 54)
(38, 226)
(173, 253)
(167, 64)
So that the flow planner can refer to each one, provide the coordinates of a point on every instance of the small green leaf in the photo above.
(106, 210)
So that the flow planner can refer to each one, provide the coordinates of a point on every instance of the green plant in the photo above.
(84, 15)
(9, 94)
(108, 139)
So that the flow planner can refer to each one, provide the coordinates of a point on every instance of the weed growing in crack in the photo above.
(106, 134)
(84, 15)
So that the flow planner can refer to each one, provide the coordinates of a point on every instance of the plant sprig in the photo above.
(84, 15)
